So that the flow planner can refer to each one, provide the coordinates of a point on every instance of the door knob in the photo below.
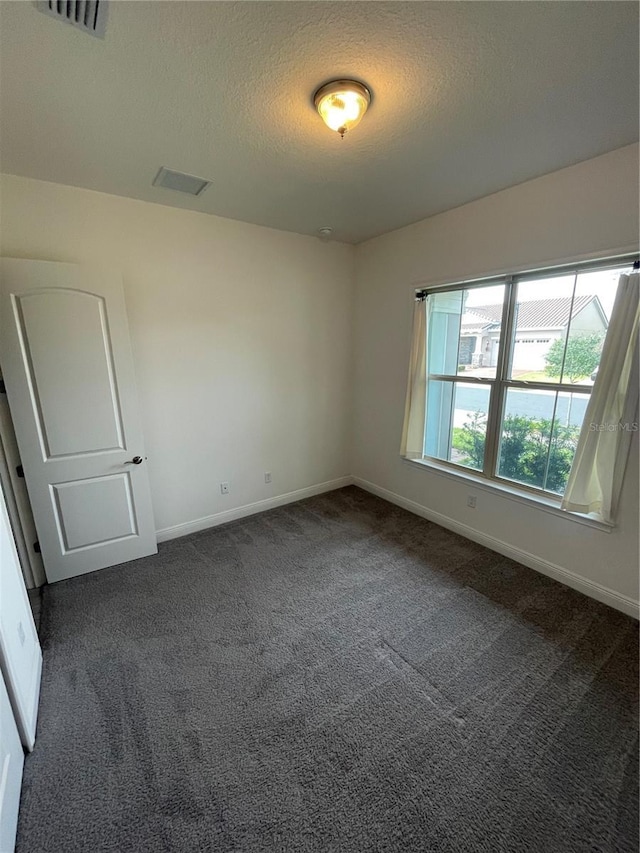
(135, 461)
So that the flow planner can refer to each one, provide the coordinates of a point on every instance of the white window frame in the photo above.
(499, 385)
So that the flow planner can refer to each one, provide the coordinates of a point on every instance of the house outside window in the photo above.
(510, 366)
(480, 329)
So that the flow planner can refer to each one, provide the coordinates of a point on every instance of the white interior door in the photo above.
(68, 369)
(11, 764)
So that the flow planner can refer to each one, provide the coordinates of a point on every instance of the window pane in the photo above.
(539, 435)
(594, 297)
(566, 430)
(469, 434)
(464, 331)
(542, 314)
(457, 422)
(560, 326)
(444, 329)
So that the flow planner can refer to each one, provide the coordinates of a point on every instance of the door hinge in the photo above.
(3, 387)
(20, 471)
(36, 547)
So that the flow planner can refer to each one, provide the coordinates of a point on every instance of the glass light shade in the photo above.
(342, 104)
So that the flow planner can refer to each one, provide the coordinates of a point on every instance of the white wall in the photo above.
(241, 339)
(586, 209)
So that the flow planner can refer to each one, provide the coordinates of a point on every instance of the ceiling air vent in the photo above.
(87, 15)
(180, 182)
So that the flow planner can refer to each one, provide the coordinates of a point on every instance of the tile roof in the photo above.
(532, 313)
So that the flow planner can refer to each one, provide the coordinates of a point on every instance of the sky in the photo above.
(602, 283)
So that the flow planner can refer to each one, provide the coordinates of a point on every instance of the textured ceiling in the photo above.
(468, 98)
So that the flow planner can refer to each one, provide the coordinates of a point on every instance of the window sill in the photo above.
(511, 492)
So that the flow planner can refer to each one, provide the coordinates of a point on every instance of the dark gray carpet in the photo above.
(335, 675)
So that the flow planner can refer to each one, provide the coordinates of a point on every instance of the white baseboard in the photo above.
(590, 588)
(218, 518)
(595, 590)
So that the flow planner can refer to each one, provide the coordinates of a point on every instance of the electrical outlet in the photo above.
(267, 476)
(224, 488)
(471, 501)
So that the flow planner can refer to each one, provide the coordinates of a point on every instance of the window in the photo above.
(510, 364)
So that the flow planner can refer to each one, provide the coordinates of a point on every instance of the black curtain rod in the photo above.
(421, 295)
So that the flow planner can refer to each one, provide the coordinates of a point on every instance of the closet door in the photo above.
(20, 655)
(11, 764)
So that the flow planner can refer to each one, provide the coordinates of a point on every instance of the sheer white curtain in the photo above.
(412, 446)
(598, 467)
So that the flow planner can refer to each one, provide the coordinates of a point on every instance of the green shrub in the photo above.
(530, 452)
(582, 358)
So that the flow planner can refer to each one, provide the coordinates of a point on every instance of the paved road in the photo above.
(533, 404)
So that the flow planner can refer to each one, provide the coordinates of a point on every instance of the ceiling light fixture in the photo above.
(342, 103)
